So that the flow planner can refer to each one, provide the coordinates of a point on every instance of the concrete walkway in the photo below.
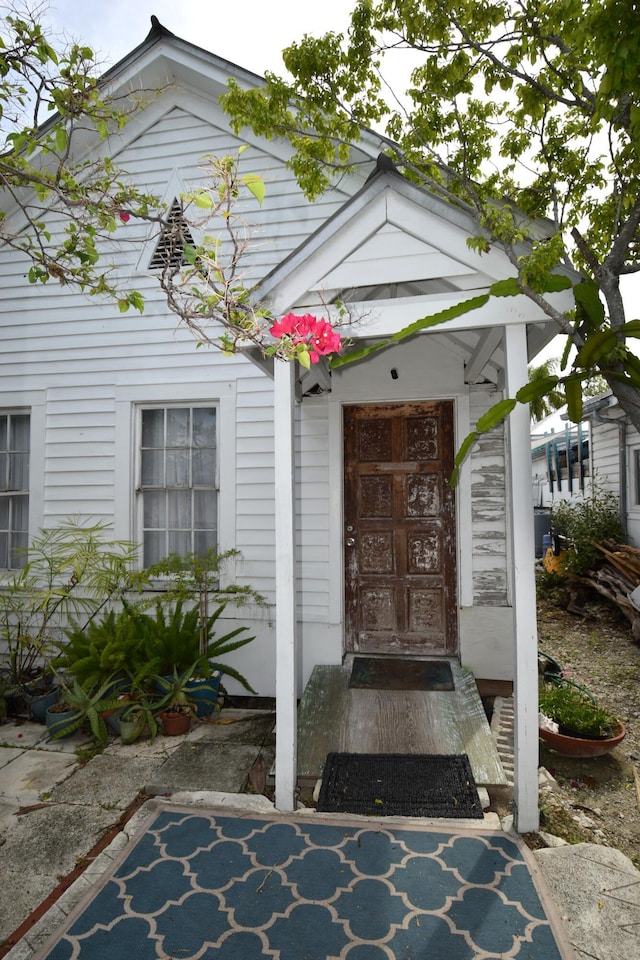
(56, 815)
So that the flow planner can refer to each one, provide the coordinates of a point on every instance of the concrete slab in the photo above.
(109, 782)
(26, 734)
(243, 726)
(222, 767)
(597, 893)
(40, 848)
(33, 773)
(8, 755)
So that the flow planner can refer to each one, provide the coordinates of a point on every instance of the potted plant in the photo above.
(79, 706)
(195, 582)
(70, 572)
(179, 704)
(572, 722)
(139, 714)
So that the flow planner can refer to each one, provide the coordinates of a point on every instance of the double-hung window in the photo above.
(178, 480)
(14, 489)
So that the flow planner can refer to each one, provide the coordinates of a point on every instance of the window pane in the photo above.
(154, 547)
(19, 439)
(204, 467)
(204, 427)
(205, 509)
(3, 433)
(20, 514)
(179, 542)
(203, 541)
(177, 468)
(4, 463)
(18, 556)
(18, 471)
(178, 427)
(4, 549)
(154, 509)
(152, 472)
(4, 513)
(180, 509)
(153, 428)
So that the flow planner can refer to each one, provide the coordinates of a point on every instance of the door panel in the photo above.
(400, 543)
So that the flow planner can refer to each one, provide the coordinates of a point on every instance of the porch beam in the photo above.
(523, 591)
(382, 318)
(488, 343)
(285, 576)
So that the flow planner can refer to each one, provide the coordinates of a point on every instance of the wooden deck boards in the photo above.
(333, 717)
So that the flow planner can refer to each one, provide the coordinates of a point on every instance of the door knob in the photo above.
(351, 541)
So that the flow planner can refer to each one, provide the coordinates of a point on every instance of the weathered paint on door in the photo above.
(399, 529)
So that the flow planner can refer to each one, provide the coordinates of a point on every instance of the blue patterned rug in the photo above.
(198, 885)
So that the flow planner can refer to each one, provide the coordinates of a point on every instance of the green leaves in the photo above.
(255, 185)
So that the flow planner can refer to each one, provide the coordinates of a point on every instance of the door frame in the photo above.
(459, 565)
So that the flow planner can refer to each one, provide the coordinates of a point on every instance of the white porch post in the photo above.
(524, 591)
(286, 674)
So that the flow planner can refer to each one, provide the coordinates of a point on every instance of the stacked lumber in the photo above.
(616, 577)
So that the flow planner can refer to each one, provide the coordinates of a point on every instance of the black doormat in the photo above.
(382, 673)
(406, 785)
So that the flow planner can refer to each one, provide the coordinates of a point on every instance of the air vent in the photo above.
(169, 251)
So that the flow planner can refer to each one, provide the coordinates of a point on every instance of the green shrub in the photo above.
(587, 521)
(574, 709)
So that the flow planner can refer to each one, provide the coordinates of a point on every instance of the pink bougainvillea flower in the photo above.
(125, 217)
(318, 335)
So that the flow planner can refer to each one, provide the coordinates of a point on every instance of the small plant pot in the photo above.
(175, 723)
(130, 730)
(582, 747)
(39, 703)
(58, 720)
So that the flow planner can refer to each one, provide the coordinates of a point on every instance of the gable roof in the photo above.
(396, 253)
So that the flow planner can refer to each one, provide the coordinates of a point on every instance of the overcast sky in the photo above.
(251, 33)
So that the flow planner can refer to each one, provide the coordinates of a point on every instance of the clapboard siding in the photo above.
(80, 442)
(488, 507)
(605, 455)
(255, 483)
(312, 509)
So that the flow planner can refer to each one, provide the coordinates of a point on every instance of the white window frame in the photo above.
(129, 401)
(10, 493)
(140, 489)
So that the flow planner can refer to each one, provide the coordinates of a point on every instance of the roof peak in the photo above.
(158, 30)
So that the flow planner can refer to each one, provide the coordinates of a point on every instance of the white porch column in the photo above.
(285, 620)
(524, 591)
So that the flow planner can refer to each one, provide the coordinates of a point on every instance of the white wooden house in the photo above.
(334, 488)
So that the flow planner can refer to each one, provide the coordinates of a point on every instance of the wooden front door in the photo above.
(399, 529)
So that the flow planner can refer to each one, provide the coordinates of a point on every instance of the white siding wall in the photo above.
(605, 455)
(83, 368)
(488, 496)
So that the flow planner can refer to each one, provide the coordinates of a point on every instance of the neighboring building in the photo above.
(119, 417)
(561, 467)
(615, 458)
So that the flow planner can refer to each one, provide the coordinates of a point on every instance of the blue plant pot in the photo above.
(202, 691)
(204, 694)
(40, 703)
(59, 721)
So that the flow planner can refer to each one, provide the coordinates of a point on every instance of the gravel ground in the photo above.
(598, 799)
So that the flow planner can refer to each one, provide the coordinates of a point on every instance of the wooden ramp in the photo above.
(334, 717)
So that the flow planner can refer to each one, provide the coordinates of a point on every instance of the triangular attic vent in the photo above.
(169, 251)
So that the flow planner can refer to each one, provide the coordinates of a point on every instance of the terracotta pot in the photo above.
(580, 746)
(174, 723)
